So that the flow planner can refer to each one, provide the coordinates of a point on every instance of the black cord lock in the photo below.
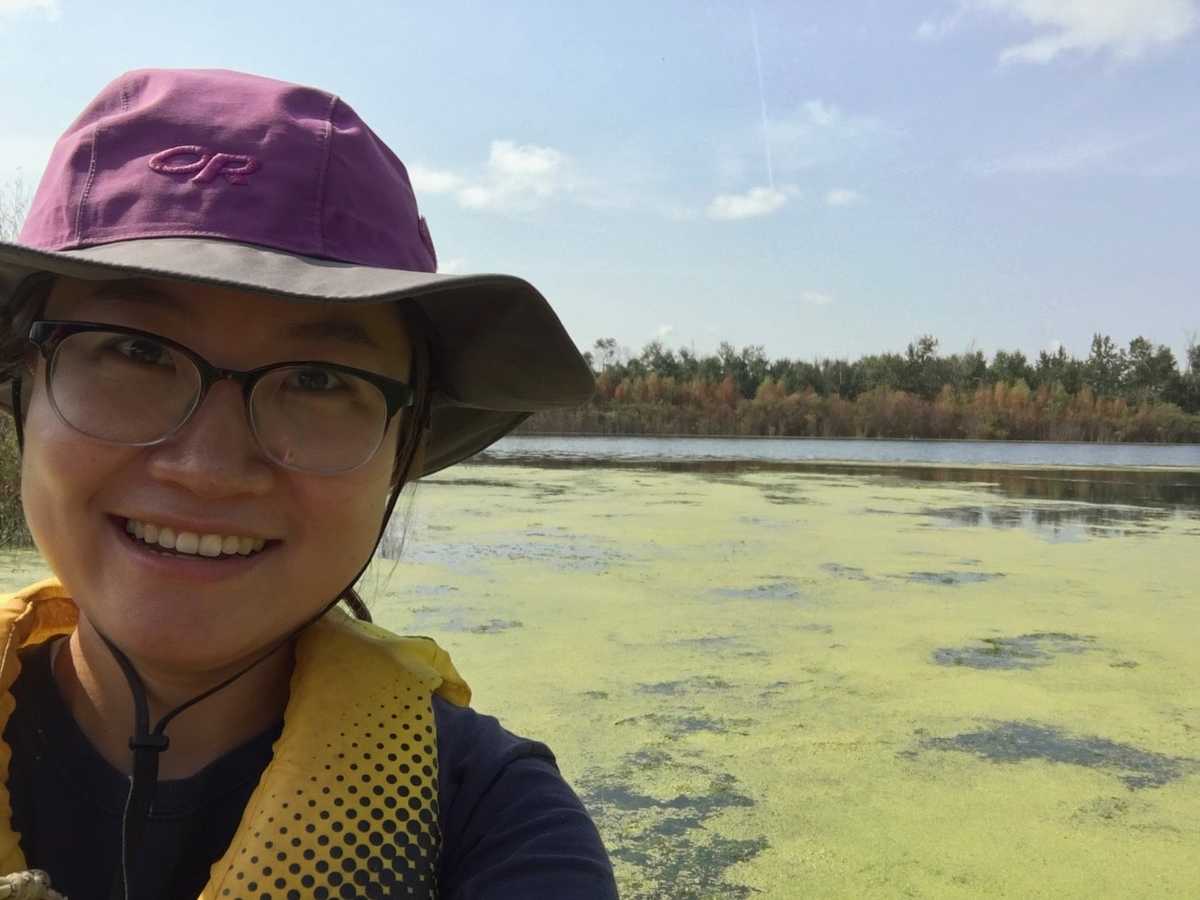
(156, 742)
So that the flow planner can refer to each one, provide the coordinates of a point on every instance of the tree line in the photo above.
(1134, 393)
(1139, 393)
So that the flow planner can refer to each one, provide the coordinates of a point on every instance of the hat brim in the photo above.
(499, 351)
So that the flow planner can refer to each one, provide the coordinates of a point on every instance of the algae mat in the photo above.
(787, 684)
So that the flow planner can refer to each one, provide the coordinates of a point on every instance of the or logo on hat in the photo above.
(207, 165)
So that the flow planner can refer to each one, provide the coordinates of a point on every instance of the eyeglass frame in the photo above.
(48, 334)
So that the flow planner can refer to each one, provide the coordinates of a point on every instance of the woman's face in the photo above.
(192, 612)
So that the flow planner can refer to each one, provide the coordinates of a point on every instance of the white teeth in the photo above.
(186, 542)
(191, 543)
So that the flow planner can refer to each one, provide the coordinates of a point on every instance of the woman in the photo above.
(227, 353)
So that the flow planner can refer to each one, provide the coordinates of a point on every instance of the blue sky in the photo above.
(825, 179)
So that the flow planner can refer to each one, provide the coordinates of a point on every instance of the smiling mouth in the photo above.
(192, 545)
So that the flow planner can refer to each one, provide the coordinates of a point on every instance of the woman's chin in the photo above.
(182, 637)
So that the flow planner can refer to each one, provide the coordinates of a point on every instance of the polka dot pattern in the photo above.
(348, 807)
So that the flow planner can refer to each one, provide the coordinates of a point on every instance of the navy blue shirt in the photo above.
(511, 825)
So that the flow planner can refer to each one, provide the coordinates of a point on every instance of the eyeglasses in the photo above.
(135, 388)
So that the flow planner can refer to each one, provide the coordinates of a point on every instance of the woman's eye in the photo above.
(143, 350)
(315, 379)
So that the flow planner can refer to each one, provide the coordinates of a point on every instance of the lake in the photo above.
(837, 679)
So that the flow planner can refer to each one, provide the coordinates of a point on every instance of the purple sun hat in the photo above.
(231, 179)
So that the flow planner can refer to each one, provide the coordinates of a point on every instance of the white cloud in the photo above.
(843, 197)
(13, 7)
(1054, 346)
(524, 160)
(816, 298)
(1125, 28)
(433, 181)
(818, 115)
(478, 197)
(456, 265)
(516, 178)
(818, 132)
(665, 331)
(759, 201)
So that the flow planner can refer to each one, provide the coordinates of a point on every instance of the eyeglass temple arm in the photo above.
(16, 410)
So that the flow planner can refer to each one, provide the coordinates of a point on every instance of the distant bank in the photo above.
(661, 407)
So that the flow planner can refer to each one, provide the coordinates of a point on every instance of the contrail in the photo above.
(762, 95)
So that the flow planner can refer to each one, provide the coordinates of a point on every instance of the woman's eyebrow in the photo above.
(339, 329)
(335, 327)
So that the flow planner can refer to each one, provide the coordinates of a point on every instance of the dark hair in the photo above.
(23, 306)
(408, 447)
(28, 300)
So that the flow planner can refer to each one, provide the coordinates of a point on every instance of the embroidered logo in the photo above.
(206, 165)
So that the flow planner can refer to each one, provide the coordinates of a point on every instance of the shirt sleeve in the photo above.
(511, 825)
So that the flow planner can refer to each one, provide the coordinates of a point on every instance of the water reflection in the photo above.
(1056, 524)
(1164, 489)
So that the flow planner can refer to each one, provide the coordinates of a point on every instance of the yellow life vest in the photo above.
(348, 805)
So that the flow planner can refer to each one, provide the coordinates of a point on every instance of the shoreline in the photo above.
(790, 437)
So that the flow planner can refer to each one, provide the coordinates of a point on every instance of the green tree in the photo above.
(747, 367)
(1009, 368)
(1105, 368)
(1059, 368)
(661, 360)
(1189, 384)
(842, 378)
(968, 371)
(924, 371)
(605, 354)
(1152, 372)
(883, 370)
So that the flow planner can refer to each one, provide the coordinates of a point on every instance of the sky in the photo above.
(824, 179)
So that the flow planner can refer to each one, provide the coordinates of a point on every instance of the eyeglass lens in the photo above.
(131, 389)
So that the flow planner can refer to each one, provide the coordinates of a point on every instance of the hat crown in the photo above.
(219, 154)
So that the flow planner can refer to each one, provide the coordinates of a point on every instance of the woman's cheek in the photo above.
(344, 520)
(60, 473)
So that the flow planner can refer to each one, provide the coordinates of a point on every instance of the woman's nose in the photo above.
(215, 454)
